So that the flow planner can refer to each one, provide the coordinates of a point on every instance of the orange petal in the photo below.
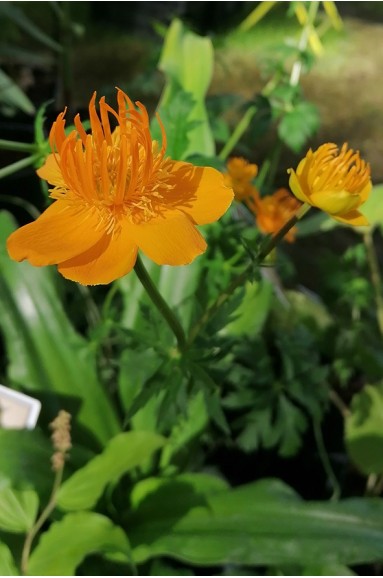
(352, 218)
(296, 187)
(60, 233)
(170, 239)
(112, 257)
(200, 192)
(51, 172)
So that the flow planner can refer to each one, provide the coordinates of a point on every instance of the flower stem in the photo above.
(268, 246)
(273, 241)
(18, 166)
(375, 276)
(326, 460)
(160, 303)
(40, 522)
(22, 147)
(237, 133)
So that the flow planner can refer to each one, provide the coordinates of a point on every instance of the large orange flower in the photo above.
(274, 211)
(115, 193)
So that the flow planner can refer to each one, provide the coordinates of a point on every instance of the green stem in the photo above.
(160, 303)
(26, 205)
(18, 166)
(375, 276)
(242, 278)
(40, 522)
(237, 133)
(22, 147)
(326, 460)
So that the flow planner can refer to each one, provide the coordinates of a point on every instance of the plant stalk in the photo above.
(22, 147)
(160, 303)
(18, 166)
(267, 247)
(40, 522)
(375, 276)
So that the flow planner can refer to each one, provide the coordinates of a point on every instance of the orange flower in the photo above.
(336, 182)
(239, 176)
(115, 193)
(273, 211)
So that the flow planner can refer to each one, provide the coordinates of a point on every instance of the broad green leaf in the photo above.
(64, 546)
(364, 430)
(123, 453)
(372, 209)
(263, 523)
(25, 459)
(7, 563)
(187, 62)
(45, 353)
(18, 508)
(12, 96)
(253, 310)
(319, 569)
(191, 489)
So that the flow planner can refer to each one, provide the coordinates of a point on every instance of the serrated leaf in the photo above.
(63, 547)
(299, 125)
(7, 563)
(253, 310)
(263, 523)
(123, 453)
(18, 508)
(364, 430)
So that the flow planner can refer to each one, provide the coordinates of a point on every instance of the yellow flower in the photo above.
(115, 192)
(274, 211)
(336, 182)
(239, 176)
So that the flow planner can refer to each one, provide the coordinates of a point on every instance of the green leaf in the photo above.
(12, 96)
(319, 569)
(123, 453)
(63, 547)
(18, 508)
(253, 310)
(364, 430)
(25, 459)
(263, 523)
(7, 563)
(297, 126)
(187, 61)
(14, 13)
(45, 353)
(372, 208)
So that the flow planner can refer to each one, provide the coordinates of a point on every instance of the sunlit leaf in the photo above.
(18, 508)
(123, 453)
(364, 430)
(264, 523)
(64, 546)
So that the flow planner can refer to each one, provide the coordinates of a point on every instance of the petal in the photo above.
(111, 258)
(352, 218)
(296, 188)
(364, 193)
(51, 172)
(60, 233)
(335, 202)
(200, 192)
(170, 239)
